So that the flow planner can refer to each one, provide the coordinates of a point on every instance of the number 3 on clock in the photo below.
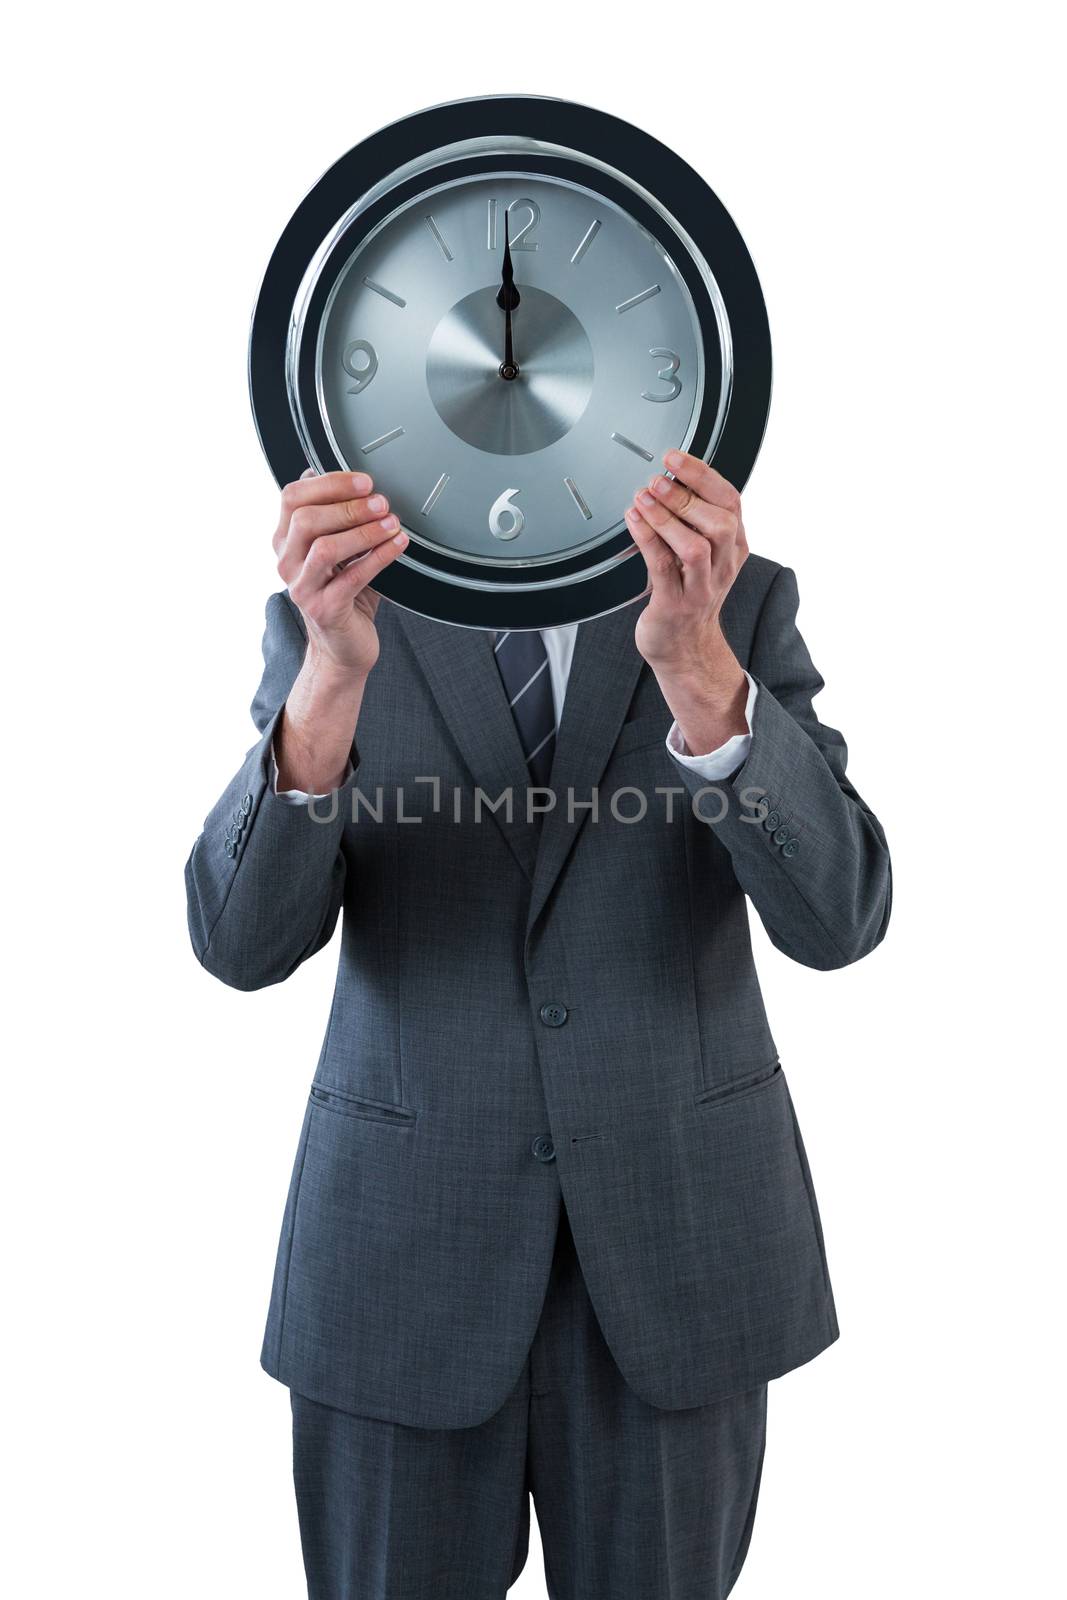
(665, 375)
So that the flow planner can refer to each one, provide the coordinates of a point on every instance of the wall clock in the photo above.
(506, 310)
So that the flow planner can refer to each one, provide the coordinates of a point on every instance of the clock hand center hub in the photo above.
(463, 373)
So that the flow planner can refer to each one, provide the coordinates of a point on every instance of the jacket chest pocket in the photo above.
(641, 733)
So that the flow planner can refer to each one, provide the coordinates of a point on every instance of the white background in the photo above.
(895, 173)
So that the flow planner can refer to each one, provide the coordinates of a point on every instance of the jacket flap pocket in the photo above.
(349, 1105)
(738, 1088)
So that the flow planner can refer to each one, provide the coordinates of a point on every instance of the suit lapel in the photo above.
(462, 675)
(603, 677)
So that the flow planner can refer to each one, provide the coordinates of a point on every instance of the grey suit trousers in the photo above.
(632, 1500)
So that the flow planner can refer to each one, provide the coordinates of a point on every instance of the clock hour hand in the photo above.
(507, 299)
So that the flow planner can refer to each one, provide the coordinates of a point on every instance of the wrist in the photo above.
(707, 697)
(317, 729)
(708, 670)
(324, 676)
(717, 691)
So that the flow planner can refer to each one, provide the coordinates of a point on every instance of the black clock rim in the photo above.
(335, 263)
(683, 193)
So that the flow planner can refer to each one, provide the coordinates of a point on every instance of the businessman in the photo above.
(551, 1229)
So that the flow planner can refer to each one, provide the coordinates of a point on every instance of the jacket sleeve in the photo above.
(265, 879)
(809, 853)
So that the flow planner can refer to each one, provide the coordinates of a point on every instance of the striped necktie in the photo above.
(523, 664)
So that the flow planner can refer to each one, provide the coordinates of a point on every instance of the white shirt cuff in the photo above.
(297, 797)
(724, 761)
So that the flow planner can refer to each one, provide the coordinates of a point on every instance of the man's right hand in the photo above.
(324, 523)
(334, 535)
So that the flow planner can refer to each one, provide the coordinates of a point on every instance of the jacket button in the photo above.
(246, 804)
(231, 848)
(543, 1148)
(553, 1016)
(791, 847)
(772, 820)
(781, 836)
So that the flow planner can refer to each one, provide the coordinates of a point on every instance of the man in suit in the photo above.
(551, 1228)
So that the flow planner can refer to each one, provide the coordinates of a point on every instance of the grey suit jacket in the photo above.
(582, 990)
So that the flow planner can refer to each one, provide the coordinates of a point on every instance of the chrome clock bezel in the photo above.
(342, 242)
(557, 141)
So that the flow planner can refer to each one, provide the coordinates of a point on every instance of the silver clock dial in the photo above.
(606, 340)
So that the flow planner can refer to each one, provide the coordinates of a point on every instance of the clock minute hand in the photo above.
(507, 299)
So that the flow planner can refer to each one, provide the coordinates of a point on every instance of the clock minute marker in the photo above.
(386, 438)
(386, 294)
(620, 438)
(435, 230)
(587, 239)
(636, 299)
(434, 494)
(576, 495)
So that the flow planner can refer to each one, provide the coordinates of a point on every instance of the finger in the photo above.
(691, 548)
(309, 472)
(703, 480)
(309, 523)
(664, 573)
(334, 551)
(356, 576)
(712, 521)
(320, 489)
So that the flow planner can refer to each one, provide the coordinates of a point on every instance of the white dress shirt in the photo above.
(559, 647)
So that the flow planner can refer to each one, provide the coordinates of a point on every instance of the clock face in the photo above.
(509, 469)
(381, 342)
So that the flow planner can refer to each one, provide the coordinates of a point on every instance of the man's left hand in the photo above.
(691, 534)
